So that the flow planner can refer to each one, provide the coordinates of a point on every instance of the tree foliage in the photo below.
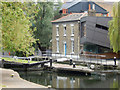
(114, 28)
(43, 23)
(16, 32)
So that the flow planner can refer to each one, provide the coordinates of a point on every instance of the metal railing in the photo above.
(85, 58)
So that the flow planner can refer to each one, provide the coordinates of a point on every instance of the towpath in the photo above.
(6, 81)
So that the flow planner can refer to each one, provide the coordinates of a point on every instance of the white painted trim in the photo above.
(57, 25)
(72, 39)
(64, 35)
(57, 35)
(71, 24)
(72, 35)
(64, 42)
(64, 25)
(72, 53)
(57, 39)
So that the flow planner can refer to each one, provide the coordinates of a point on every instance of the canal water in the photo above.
(67, 80)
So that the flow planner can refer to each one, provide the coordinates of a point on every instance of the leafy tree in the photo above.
(114, 28)
(0, 27)
(57, 9)
(43, 24)
(16, 32)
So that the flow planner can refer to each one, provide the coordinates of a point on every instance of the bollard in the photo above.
(2, 63)
(12, 75)
(28, 61)
(114, 60)
(74, 65)
(49, 86)
(70, 61)
(50, 62)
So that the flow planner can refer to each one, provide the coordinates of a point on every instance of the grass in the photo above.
(18, 60)
(2, 86)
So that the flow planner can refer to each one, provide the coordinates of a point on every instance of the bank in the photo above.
(11, 79)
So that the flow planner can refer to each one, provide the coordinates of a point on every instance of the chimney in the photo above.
(91, 12)
(89, 7)
(93, 7)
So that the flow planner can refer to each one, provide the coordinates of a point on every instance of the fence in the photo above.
(87, 58)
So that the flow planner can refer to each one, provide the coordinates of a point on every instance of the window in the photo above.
(83, 32)
(57, 31)
(72, 46)
(72, 30)
(57, 45)
(64, 30)
(101, 27)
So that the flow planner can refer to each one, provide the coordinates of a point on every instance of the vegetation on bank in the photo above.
(114, 28)
(3, 86)
(18, 60)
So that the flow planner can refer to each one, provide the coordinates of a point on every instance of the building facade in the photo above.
(66, 35)
(79, 33)
(82, 32)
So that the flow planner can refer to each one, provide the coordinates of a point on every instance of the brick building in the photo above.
(78, 32)
(83, 32)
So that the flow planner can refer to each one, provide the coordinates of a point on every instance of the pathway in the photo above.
(15, 81)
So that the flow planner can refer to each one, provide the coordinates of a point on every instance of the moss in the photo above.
(18, 60)
(3, 86)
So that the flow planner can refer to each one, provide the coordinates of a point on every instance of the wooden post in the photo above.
(50, 62)
(70, 61)
(2, 65)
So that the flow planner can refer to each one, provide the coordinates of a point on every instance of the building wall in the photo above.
(66, 38)
(94, 34)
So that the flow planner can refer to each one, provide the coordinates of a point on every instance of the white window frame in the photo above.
(57, 30)
(72, 46)
(72, 29)
(65, 30)
(57, 44)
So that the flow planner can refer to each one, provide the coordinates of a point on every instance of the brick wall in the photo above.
(66, 38)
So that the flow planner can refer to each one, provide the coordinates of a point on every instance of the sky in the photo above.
(112, 0)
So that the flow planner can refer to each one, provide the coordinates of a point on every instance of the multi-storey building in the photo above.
(84, 32)
(79, 32)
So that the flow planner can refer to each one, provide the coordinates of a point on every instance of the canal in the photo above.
(67, 80)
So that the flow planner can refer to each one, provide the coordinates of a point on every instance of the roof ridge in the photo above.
(60, 18)
(70, 16)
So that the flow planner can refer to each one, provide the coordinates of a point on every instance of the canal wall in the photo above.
(20, 66)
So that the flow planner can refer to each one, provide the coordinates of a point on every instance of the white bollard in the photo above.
(92, 66)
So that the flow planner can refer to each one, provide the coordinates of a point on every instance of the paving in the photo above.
(70, 67)
(7, 81)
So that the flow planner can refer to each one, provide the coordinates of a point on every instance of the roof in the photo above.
(80, 6)
(70, 17)
(68, 4)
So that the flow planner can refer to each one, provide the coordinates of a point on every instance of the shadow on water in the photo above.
(67, 80)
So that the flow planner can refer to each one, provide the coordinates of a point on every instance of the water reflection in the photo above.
(64, 80)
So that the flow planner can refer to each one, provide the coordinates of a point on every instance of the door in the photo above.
(65, 49)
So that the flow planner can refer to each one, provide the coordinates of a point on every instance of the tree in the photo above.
(57, 9)
(114, 28)
(16, 32)
(43, 24)
(0, 27)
